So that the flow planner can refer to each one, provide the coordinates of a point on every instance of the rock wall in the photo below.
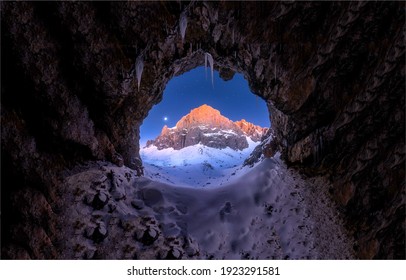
(255, 132)
(214, 138)
(207, 126)
(79, 77)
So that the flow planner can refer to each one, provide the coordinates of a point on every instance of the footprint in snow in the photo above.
(225, 210)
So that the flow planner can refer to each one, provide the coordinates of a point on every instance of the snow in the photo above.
(233, 212)
(220, 133)
(213, 133)
(195, 166)
(205, 198)
(270, 212)
(262, 215)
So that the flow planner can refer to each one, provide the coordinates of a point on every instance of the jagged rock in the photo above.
(191, 248)
(173, 254)
(149, 236)
(226, 74)
(117, 159)
(266, 148)
(207, 126)
(255, 132)
(99, 233)
(99, 200)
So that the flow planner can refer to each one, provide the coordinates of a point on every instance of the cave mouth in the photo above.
(214, 153)
(332, 74)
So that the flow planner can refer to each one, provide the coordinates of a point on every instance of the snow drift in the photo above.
(270, 212)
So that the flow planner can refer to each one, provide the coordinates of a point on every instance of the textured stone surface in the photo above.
(207, 126)
(255, 132)
(333, 76)
(113, 228)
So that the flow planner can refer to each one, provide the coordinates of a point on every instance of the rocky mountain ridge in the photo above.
(207, 126)
(332, 74)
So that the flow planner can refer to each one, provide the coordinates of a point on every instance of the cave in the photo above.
(79, 78)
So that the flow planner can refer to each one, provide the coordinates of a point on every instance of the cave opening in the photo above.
(75, 96)
(204, 129)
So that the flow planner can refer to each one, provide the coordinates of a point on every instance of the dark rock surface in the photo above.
(333, 76)
(205, 125)
(265, 149)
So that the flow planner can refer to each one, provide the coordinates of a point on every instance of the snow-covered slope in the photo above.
(195, 166)
(261, 211)
(271, 212)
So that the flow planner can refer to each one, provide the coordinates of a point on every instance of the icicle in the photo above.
(211, 62)
(139, 67)
(208, 57)
(205, 64)
(183, 25)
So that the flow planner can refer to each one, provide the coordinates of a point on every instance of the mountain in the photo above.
(195, 166)
(253, 131)
(206, 125)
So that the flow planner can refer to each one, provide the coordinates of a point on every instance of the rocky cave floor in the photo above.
(272, 212)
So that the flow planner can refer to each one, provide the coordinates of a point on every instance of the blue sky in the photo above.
(192, 89)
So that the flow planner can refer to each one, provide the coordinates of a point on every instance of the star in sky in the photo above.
(165, 118)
